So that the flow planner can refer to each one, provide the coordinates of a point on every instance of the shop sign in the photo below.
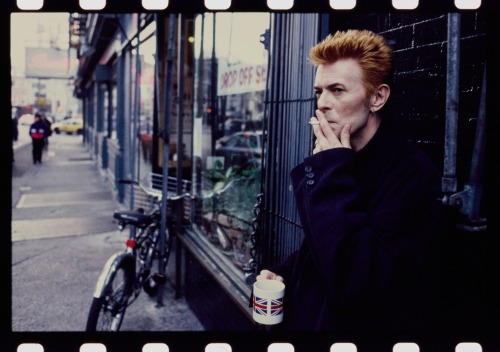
(241, 78)
(50, 63)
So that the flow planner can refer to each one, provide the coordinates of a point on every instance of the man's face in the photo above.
(341, 95)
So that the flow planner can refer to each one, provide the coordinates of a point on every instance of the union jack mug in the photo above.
(267, 301)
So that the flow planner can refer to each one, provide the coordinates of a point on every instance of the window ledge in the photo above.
(231, 279)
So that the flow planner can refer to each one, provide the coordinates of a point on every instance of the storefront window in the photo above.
(145, 68)
(109, 106)
(231, 71)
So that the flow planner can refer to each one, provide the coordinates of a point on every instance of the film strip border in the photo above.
(226, 342)
(243, 5)
(227, 347)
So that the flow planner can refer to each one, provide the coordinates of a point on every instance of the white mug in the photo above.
(267, 303)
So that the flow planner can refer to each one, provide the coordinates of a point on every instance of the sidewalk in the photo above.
(62, 234)
(65, 195)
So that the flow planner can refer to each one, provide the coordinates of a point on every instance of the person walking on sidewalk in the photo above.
(15, 134)
(38, 131)
(48, 130)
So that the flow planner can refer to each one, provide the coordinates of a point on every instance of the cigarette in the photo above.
(314, 122)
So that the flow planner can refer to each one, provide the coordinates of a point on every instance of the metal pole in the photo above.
(166, 141)
(468, 201)
(180, 150)
(449, 180)
(157, 72)
(138, 99)
(477, 163)
(213, 89)
(201, 67)
(160, 35)
(134, 133)
(180, 102)
(110, 109)
(200, 113)
(121, 123)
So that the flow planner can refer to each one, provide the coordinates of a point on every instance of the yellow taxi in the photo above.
(70, 126)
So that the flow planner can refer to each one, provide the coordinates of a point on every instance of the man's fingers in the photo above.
(324, 127)
(345, 136)
(325, 135)
(316, 148)
(269, 275)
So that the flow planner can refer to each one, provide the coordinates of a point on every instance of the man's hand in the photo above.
(269, 275)
(325, 135)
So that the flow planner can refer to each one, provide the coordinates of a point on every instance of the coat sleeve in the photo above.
(285, 268)
(363, 247)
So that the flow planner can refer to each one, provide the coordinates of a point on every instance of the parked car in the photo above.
(240, 148)
(70, 126)
(233, 124)
(26, 119)
(50, 119)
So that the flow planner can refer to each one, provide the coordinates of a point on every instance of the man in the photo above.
(367, 201)
(38, 131)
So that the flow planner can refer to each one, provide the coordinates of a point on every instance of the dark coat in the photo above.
(15, 130)
(38, 130)
(371, 221)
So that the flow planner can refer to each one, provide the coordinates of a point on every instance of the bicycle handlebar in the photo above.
(218, 192)
(180, 196)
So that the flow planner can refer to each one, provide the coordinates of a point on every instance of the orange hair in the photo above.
(371, 50)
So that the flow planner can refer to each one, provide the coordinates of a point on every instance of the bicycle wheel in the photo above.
(107, 311)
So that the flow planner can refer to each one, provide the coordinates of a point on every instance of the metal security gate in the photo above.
(289, 105)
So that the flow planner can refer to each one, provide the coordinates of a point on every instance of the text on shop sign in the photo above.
(241, 78)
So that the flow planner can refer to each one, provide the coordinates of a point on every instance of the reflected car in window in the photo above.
(233, 124)
(240, 148)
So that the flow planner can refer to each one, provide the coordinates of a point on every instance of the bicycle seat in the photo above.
(134, 217)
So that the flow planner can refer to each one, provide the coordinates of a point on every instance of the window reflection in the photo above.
(231, 71)
(145, 108)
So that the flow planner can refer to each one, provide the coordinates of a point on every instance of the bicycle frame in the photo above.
(141, 254)
(130, 271)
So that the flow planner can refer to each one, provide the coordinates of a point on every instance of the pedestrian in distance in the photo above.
(37, 132)
(15, 130)
(48, 131)
(367, 201)
(15, 134)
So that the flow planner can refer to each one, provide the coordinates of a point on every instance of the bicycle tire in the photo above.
(108, 309)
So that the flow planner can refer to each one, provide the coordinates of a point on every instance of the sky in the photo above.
(238, 36)
(35, 30)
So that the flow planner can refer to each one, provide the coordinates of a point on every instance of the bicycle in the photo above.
(130, 271)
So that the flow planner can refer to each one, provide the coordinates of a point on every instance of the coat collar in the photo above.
(377, 156)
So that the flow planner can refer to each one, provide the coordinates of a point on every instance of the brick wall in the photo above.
(418, 98)
(419, 41)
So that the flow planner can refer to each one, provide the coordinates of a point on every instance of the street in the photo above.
(62, 235)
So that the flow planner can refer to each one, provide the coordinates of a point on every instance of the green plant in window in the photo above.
(229, 208)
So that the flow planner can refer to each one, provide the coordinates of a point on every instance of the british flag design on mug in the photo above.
(268, 301)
